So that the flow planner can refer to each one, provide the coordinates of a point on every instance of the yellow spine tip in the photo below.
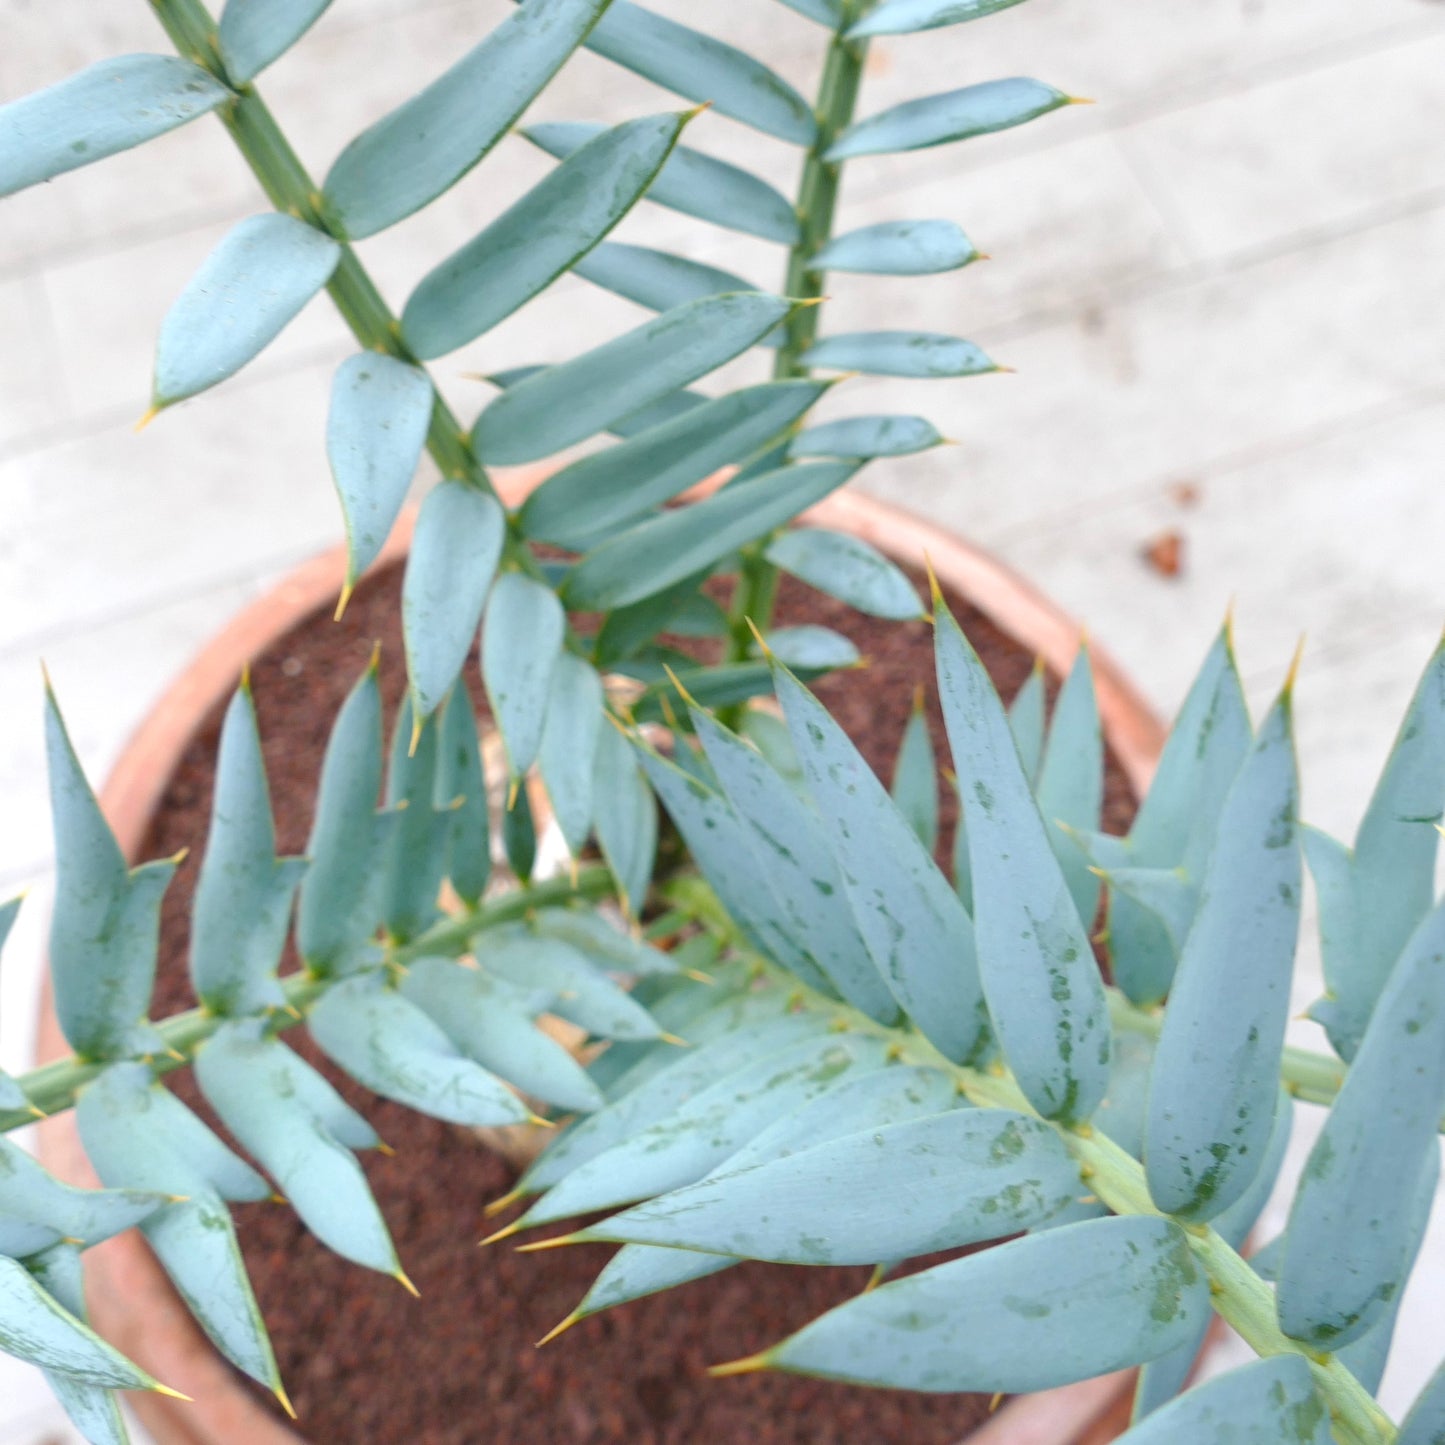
(759, 639)
(698, 976)
(1079, 100)
(513, 789)
(880, 1273)
(171, 1394)
(374, 666)
(561, 1329)
(556, 1242)
(152, 412)
(277, 1198)
(674, 1040)
(682, 692)
(538, 1122)
(982, 256)
(505, 1232)
(935, 592)
(1287, 691)
(176, 859)
(246, 678)
(999, 368)
(994, 1403)
(35, 1111)
(417, 724)
(918, 697)
(750, 1365)
(400, 1277)
(279, 1390)
(347, 589)
(385, 1149)
(697, 110)
(506, 1201)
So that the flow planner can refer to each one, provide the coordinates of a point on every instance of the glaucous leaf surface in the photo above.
(242, 906)
(915, 928)
(606, 946)
(897, 248)
(866, 436)
(337, 912)
(1215, 1082)
(385, 1042)
(106, 919)
(918, 354)
(1354, 1205)
(938, 119)
(1269, 1402)
(521, 642)
(810, 649)
(624, 817)
(107, 107)
(461, 788)
(904, 17)
(915, 777)
(575, 399)
(657, 280)
(599, 493)
(1371, 899)
(253, 33)
(426, 145)
(1044, 992)
(847, 568)
(703, 69)
(694, 183)
(676, 544)
(265, 269)
(449, 572)
(375, 430)
(568, 750)
(886, 1190)
(1425, 1424)
(1041, 1311)
(1070, 786)
(421, 834)
(539, 237)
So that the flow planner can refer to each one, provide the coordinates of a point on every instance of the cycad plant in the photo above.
(886, 1059)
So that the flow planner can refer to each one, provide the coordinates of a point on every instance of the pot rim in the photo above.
(133, 1302)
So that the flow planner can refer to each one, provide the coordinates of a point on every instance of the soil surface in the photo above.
(363, 1361)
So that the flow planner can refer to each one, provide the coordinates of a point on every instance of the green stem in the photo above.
(53, 1087)
(757, 583)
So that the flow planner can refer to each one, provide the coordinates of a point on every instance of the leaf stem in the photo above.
(52, 1088)
(757, 584)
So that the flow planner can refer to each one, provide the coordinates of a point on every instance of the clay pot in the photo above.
(132, 1303)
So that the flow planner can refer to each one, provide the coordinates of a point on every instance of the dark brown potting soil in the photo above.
(367, 1365)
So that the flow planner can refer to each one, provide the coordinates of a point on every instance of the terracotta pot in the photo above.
(132, 1302)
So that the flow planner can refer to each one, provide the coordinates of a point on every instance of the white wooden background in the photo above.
(1221, 282)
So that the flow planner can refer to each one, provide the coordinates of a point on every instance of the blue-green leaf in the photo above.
(521, 642)
(291, 1119)
(676, 544)
(1026, 721)
(904, 17)
(253, 33)
(1215, 1082)
(596, 939)
(1070, 787)
(570, 402)
(1042, 1311)
(866, 436)
(1269, 1402)
(1425, 1424)
(810, 649)
(920, 938)
(1044, 990)
(797, 868)
(487, 1019)
(955, 115)
(703, 69)
(421, 835)
(108, 107)
(894, 1191)
(695, 184)
(898, 248)
(1369, 909)
(915, 777)
(265, 269)
(461, 787)
(375, 430)
(919, 354)
(699, 1134)
(425, 146)
(1355, 1201)
(339, 908)
(519, 834)
(92, 1408)
(680, 609)
(242, 906)
(624, 818)
(847, 568)
(385, 1042)
(658, 280)
(539, 237)
(638, 1270)
(34, 1328)
(12, 1096)
(569, 746)
(449, 571)
(106, 921)
(610, 488)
